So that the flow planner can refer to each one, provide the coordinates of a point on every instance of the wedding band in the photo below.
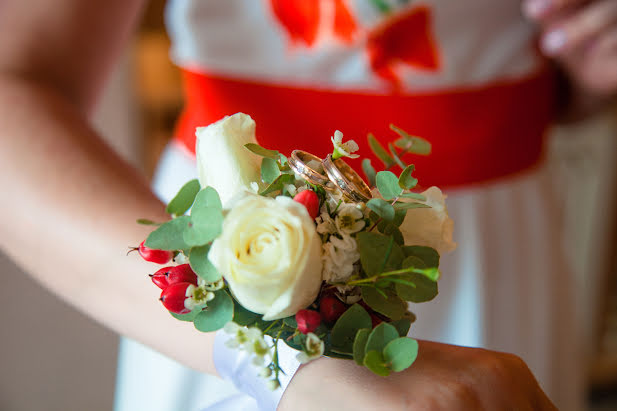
(299, 163)
(347, 180)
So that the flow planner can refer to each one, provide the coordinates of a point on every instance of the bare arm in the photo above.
(69, 202)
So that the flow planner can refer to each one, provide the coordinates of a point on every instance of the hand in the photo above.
(582, 36)
(444, 377)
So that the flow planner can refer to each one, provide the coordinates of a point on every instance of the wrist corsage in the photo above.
(301, 249)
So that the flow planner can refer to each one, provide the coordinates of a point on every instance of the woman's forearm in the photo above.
(68, 216)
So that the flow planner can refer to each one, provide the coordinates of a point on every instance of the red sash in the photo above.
(477, 134)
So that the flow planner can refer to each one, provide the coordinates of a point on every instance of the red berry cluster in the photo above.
(173, 280)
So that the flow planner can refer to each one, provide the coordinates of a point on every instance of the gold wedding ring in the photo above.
(346, 179)
(300, 162)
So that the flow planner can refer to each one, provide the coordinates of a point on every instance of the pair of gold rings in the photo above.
(336, 173)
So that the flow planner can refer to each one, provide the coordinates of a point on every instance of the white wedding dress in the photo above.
(506, 287)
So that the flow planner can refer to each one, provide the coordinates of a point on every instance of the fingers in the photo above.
(541, 9)
(581, 28)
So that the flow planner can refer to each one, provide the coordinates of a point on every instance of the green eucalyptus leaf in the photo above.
(170, 235)
(414, 196)
(400, 353)
(269, 170)
(392, 230)
(411, 144)
(428, 255)
(409, 206)
(402, 326)
(184, 199)
(188, 317)
(219, 312)
(391, 305)
(244, 317)
(424, 288)
(145, 221)
(380, 337)
(405, 180)
(291, 321)
(387, 184)
(344, 331)
(369, 171)
(206, 224)
(263, 152)
(374, 361)
(278, 184)
(207, 198)
(198, 259)
(378, 253)
(359, 345)
(396, 157)
(382, 208)
(379, 151)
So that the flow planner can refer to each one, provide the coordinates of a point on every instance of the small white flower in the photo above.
(265, 372)
(291, 189)
(313, 349)
(181, 259)
(339, 256)
(197, 297)
(349, 219)
(254, 187)
(325, 224)
(343, 149)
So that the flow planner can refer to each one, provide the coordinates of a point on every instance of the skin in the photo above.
(70, 207)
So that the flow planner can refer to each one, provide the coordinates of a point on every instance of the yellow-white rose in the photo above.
(222, 160)
(270, 254)
(431, 227)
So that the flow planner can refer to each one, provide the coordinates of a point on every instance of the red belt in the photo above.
(478, 134)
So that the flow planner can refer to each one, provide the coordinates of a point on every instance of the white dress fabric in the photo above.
(506, 287)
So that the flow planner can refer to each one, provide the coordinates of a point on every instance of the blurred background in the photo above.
(56, 359)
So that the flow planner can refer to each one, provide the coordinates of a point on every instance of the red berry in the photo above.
(375, 321)
(154, 256)
(181, 274)
(308, 321)
(161, 277)
(173, 297)
(331, 308)
(310, 200)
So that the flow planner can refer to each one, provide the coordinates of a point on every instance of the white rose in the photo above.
(431, 227)
(270, 255)
(222, 160)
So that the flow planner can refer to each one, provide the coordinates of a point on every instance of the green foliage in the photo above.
(278, 184)
(170, 235)
(198, 258)
(424, 289)
(369, 171)
(387, 184)
(380, 152)
(402, 325)
(378, 253)
(269, 170)
(395, 156)
(184, 199)
(428, 255)
(189, 317)
(145, 221)
(391, 305)
(291, 321)
(244, 317)
(394, 232)
(400, 353)
(409, 206)
(411, 144)
(380, 337)
(382, 208)
(414, 196)
(405, 180)
(359, 345)
(345, 329)
(218, 313)
(206, 218)
(263, 152)
(374, 361)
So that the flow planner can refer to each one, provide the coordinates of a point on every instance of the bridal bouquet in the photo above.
(301, 249)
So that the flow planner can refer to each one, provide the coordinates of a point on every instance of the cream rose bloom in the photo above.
(431, 227)
(270, 254)
(222, 160)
